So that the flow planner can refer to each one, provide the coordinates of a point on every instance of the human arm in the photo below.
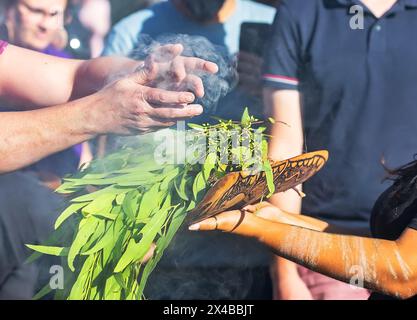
(32, 80)
(126, 106)
(287, 141)
(383, 266)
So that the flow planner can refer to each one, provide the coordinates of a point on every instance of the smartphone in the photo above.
(254, 36)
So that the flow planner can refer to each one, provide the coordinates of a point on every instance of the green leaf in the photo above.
(209, 165)
(136, 251)
(161, 245)
(103, 242)
(85, 231)
(182, 187)
(119, 278)
(198, 186)
(52, 251)
(131, 204)
(148, 202)
(191, 206)
(246, 117)
(44, 291)
(78, 290)
(120, 198)
(169, 177)
(72, 209)
(112, 190)
(269, 177)
(101, 205)
(196, 127)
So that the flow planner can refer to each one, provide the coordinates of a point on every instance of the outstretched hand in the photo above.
(167, 69)
(159, 93)
(246, 222)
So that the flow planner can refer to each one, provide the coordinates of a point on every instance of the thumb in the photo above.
(146, 73)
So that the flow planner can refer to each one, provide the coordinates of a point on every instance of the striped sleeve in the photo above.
(3, 46)
(282, 60)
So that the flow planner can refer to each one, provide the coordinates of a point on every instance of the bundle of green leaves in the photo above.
(122, 206)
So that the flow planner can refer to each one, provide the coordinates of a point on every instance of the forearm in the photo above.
(378, 263)
(32, 135)
(33, 80)
(286, 142)
(289, 201)
(93, 75)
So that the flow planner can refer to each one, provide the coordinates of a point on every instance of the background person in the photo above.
(39, 25)
(335, 86)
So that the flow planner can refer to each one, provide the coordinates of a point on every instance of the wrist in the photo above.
(91, 120)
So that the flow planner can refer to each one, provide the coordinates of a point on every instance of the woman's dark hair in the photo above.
(405, 173)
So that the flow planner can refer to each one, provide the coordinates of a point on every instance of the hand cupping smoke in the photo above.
(216, 85)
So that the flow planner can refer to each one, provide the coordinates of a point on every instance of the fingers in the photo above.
(167, 52)
(178, 71)
(206, 225)
(148, 125)
(197, 65)
(161, 97)
(192, 83)
(229, 221)
(147, 73)
(177, 113)
(154, 118)
(256, 207)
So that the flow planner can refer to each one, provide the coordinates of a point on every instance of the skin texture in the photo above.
(126, 104)
(34, 24)
(383, 266)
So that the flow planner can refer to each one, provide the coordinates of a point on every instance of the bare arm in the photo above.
(287, 141)
(126, 106)
(29, 136)
(32, 80)
(388, 267)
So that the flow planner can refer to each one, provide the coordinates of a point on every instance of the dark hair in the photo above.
(406, 174)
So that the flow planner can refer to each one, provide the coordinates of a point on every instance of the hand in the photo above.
(134, 106)
(167, 69)
(267, 211)
(238, 221)
(244, 221)
(250, 73)
(129, 106)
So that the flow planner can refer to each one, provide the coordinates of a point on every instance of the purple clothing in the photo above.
(57, 53)
(3, 46)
